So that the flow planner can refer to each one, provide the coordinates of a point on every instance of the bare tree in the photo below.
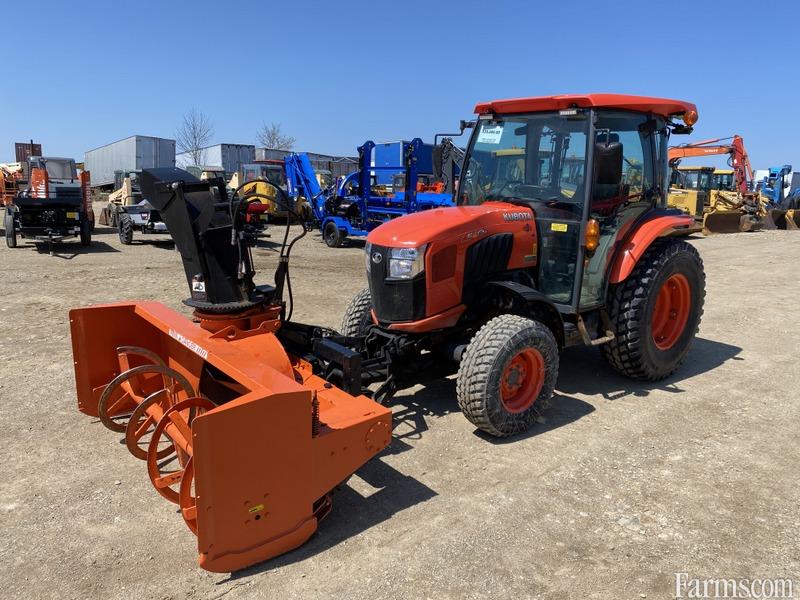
(271, 136)
(194, 135)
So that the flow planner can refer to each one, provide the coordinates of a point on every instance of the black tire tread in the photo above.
(476, 365)
(86, 233)
(333, 241)
(125, 229)
(11, 235)
(357, 316)
(627, 301)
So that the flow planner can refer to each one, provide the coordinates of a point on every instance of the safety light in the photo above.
(592, 235)
(690, 117)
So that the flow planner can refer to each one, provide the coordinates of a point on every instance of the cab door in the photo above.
(618, 196)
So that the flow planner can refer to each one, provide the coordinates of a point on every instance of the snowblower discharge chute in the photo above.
(241, 434)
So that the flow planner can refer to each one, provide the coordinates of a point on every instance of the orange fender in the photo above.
(640, 241)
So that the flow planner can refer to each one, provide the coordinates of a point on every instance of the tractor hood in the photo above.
(442, 224)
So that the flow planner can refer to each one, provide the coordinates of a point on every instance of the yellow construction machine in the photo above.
(737, 208)
(252, 180)
(690, 189)
(126, 193)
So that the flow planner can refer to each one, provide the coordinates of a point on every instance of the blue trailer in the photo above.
(358, 203)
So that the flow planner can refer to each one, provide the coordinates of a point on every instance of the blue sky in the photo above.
(336, 73)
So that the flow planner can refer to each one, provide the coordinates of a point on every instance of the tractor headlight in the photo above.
(367, 255)
(406, 263)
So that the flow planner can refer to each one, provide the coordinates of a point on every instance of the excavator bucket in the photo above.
(782, 219)
(242, 436)
(727, 221)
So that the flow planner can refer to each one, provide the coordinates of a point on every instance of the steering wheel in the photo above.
(507, 183)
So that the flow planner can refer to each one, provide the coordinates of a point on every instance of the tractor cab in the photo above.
(538, 159)
(690, 189)
(61, 170)
(723, 180)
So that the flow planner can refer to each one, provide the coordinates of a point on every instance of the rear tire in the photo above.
(125, 229)
(668, 280)
(333, 235)
(86, 233)
(507, 375)
(358, 316)
(11, 234)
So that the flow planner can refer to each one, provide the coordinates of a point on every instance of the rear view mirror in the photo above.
(607, 163)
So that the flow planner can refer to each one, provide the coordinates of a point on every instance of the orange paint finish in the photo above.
(660, 106)
(86, 193)
(644, 235)
(445, 319)
(39, 183)
(459, 226)
(265, 457)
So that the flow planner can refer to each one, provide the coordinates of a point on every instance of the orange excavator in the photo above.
(726, 211)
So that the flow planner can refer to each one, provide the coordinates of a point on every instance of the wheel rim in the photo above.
(330, 233)
(671, 312)
(522, 380)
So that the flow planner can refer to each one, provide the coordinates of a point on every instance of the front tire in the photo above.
(656, 311)
(125, 229)
(507, 375)
(333, 236)
(11, 233)
(358, 316)
(113, 219)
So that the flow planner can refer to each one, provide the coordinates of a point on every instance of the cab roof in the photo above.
(661, 106)
(707, 169)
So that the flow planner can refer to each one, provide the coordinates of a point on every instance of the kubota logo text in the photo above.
(517, 216)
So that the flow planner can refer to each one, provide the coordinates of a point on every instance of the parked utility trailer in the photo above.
(388, 154)
(131, 154)
(230, 157)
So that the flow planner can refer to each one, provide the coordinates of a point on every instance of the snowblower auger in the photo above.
(248, 439)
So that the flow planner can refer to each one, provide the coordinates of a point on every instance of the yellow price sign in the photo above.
(72, 215)
(560, 227)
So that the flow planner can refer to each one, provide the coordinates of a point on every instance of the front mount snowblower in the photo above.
(247, 439)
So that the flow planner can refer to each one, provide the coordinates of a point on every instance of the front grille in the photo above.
(394, 301)
(62, 191)
(487, 257)
(47, 217)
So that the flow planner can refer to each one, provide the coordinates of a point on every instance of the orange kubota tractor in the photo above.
(248, 420)
(725, 211)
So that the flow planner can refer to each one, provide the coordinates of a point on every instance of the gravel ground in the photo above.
(623, 485)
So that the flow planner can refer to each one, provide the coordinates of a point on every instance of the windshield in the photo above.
(692, 179)
(274, 173)
(58, 168)
(723, 181)
(535, 158)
